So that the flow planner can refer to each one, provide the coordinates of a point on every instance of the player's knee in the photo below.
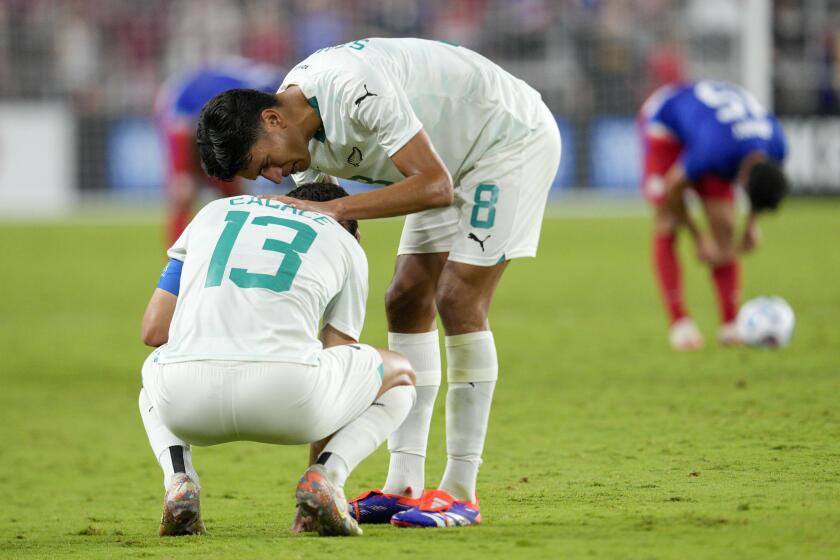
(397, 370)
(404, 298)
(452, 301)
(461, 312)
(664, 223)
(403, 372)
(405, 378)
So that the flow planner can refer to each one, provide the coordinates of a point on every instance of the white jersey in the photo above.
(257, 280)
(374, 95)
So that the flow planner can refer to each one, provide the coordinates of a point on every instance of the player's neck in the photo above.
(298, 112)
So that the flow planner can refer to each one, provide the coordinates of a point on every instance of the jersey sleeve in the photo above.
(346, 311)
(382, 107)
(178, 251)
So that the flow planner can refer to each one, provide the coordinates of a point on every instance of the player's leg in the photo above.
(411, 311)
(500, 219)
(181, 503)
(464, 297)
(722, 217)
(361, 436)
(320, 492)
(660, 153)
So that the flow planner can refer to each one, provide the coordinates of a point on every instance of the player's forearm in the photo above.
(751, 236)
(676, 183)
(412, 194)
(684, 218)
(154, 329)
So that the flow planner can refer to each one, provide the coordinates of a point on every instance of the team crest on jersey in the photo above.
(355, 157)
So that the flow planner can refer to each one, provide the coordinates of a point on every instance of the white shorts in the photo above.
(499, 205)
(210, 402)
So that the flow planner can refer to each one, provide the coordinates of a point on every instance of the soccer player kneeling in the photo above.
(236, 317)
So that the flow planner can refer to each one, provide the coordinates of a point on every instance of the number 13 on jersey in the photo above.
(282, 280)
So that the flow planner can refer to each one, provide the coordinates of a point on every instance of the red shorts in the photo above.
(183, 158)
(660, 153)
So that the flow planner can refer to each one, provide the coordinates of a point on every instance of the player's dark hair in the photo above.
(228, 126)
(322, 192)
(767, 185)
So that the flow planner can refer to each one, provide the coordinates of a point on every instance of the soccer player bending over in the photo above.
(705, 136)
(236, 316)
(469, 153)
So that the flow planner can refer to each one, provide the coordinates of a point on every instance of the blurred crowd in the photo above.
(109, 56)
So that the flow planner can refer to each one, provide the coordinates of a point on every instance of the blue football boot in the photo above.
(439, 509)
(374, 506)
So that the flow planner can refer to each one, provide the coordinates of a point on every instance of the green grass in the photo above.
(602, 443)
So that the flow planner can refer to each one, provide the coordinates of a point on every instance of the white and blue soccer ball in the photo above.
(766, 321)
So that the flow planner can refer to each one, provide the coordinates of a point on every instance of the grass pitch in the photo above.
(602, 443)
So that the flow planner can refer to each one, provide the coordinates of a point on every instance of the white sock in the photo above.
(161, 440)
(472, 371)
(406, 472)
(358, 439)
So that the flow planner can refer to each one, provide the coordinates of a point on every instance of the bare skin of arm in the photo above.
(155, 326)
(723, 219)
(752, 234)
(676, 183)
(674, 212)
(427, 184)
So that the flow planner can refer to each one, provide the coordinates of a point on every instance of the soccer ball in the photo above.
(766, 321)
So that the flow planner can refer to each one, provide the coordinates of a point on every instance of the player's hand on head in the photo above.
(325, 208)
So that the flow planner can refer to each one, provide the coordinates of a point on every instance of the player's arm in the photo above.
(388, 116)
(427, 184)
(752, 234)
(154, 329)
(158, 316)
(676, 183)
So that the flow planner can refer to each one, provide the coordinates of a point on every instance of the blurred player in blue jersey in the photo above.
(708, 137)
(177, 107)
